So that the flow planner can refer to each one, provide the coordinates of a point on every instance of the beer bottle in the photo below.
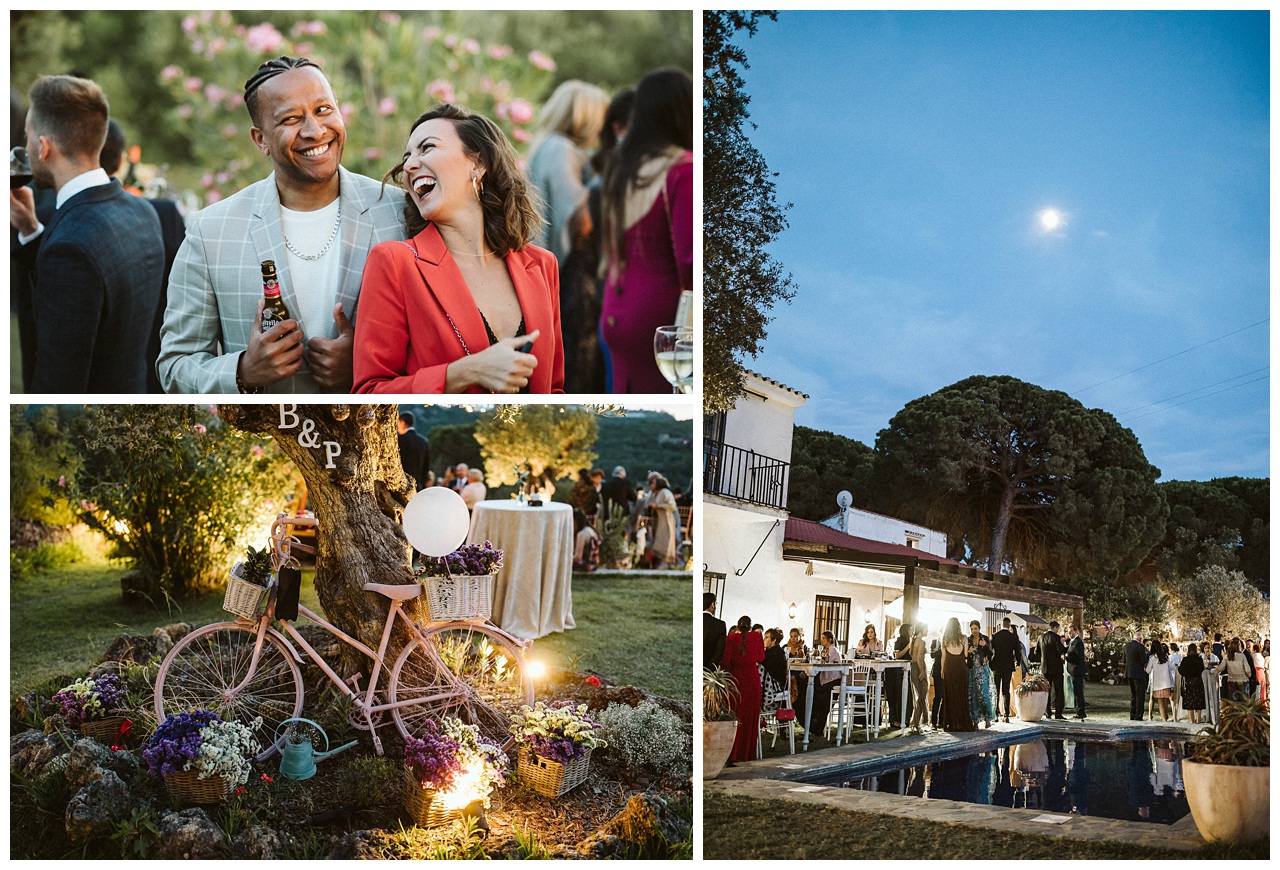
(274, 311)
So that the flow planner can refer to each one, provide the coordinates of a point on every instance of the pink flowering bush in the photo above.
(385, 72)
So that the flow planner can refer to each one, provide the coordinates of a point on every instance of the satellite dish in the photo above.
(436, 521)
(844, 499)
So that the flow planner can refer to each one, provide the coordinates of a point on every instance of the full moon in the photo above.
(1050, 220)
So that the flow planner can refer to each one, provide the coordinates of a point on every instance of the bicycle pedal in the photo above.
(354, 681)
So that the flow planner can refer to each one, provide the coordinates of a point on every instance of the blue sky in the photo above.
(920, 151)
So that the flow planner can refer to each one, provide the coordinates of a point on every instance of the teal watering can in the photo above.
(298, 759)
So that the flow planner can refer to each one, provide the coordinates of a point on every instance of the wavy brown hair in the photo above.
(511, 216)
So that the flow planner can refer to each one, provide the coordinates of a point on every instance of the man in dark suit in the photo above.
(713, 633)
(415, 452)
(1006, 654)
(99, 263)
(172, 229)
(1076, 667)
(1135, 674)
(617, 491)
(1051, 652)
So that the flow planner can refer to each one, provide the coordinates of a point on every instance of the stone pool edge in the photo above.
(777, 779)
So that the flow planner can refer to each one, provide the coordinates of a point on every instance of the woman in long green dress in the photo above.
(979, 652)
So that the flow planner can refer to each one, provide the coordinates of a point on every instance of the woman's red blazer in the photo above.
(404, 341)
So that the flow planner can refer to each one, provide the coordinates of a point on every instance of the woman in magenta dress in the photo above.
(743, 651)
(648, 228)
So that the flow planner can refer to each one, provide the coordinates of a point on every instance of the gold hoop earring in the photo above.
(477, 187)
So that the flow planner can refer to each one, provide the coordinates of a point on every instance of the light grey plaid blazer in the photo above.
(216, 280)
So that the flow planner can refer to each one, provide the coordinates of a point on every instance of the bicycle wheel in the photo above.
(473, 671)
(203, 669)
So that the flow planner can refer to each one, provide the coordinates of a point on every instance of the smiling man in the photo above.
(314, 219)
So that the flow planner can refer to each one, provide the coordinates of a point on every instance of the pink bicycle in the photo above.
(247, 669)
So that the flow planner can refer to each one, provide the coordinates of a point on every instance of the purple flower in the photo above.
(433, 757)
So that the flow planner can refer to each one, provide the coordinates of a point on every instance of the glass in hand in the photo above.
(19, 168)
(672, 360)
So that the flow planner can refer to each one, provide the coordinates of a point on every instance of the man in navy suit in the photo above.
(415, 452)
(98, 264)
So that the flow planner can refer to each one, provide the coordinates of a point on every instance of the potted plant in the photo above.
(460, 585)
(1227, 773)
(1033, 697)
(95, 706)
(247, 586)
(555, 744)
(447, 769)
(201, 757)
(719, 720)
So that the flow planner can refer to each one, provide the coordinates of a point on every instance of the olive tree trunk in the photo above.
(358, 503)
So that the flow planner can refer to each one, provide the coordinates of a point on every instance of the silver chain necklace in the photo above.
(333, 234)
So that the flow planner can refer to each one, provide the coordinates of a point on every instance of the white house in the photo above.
(855, 569)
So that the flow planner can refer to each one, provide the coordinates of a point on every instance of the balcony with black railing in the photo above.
(744, 475)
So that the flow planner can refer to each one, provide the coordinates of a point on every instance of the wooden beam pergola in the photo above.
(921, 571)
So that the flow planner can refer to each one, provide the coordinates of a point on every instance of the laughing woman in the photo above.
(467, 305)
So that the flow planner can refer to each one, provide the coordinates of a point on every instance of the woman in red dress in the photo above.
(742, 653)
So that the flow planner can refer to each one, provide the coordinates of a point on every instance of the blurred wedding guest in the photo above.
(449, 479)
(97, 267)
(314, 219)
(661, 546)
(1212, 685)
(467, 304)
(460, 477)
(586, 544)
(743, 651)
(584, 496)
(1237, 666)
(415, 452)
(713, 633)
(648, 228)
(474, 492)
(580, 279)
(1191, 669)
(919, 674)
(172, 228)
(824, 683)
(954, 712)
(775, 659)
(1161, 671)
(617, 493)
(868, 645)
(567, 128)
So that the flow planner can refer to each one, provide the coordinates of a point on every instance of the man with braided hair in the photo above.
(314, 219)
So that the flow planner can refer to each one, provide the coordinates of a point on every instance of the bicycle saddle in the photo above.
(401, 592)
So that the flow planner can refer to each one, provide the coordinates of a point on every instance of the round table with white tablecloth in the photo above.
(533, 592)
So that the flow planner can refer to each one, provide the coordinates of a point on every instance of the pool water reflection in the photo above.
(1135, 780)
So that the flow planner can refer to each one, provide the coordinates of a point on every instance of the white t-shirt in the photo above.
(315, 282)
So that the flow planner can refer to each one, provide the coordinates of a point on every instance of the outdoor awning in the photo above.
(1028, 619)
(932, 611)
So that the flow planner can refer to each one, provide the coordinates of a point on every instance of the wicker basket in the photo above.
(103, 730)
(463, 596)
(243, 598)
(551, 778)
(424, 804)
(187, 786)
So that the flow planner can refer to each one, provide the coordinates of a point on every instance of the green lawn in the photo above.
(735, 827)
(631, 630)
(634, 630)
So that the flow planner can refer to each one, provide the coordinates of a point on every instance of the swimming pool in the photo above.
(1134, 780)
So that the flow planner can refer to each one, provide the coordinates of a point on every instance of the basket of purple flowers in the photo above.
(201, 757)
(460, 585)
(446, 768)
(555, 746)
(94, 705)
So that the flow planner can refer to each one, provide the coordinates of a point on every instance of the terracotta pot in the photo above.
(1031, 706)
(717, 745)
(1229, 803)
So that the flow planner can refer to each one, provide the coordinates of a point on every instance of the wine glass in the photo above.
(19, 168)
(665, 353)
(684, 361)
